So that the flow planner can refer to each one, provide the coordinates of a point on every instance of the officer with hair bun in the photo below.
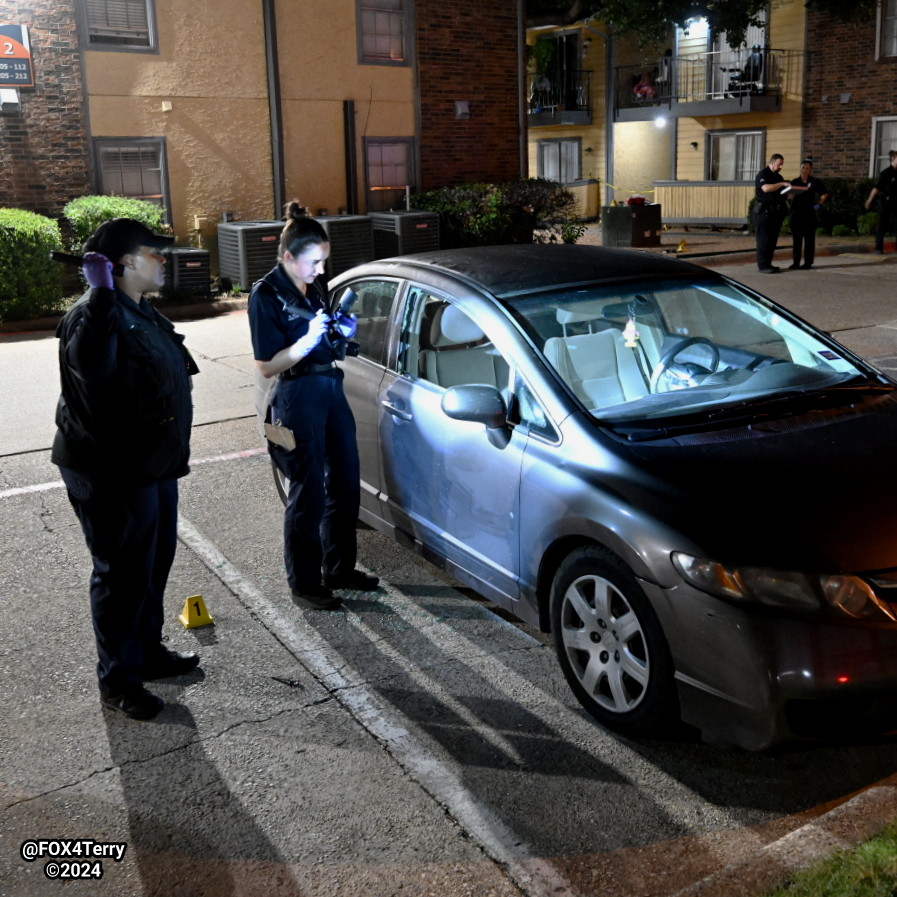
(291, 338)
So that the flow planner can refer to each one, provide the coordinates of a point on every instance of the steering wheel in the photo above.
(687, 371)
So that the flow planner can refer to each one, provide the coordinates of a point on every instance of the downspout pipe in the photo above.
(274, 106)
(351, 153)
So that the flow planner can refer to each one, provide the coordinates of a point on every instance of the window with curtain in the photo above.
(382, 31)
(560, 160)
(389, 169)
(884, 139)
(132, 167)
(735, 155)
(117, 24)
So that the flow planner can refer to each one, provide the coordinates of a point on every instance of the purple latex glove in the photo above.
(346, 325)
(97, 270)
(817, 207)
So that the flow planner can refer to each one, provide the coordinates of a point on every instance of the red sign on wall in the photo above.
(15, 57)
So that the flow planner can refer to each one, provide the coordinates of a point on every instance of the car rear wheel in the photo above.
(281, 481)
(610, 644)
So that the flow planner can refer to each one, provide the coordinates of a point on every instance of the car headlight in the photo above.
(783, 588)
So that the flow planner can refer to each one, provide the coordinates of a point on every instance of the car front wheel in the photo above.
(610, 644)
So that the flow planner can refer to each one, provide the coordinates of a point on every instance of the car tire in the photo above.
(610, 644)
(281, 482)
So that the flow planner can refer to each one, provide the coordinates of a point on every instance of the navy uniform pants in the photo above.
(768, 222)
(323, 469)
(803, 234)
(131, 532)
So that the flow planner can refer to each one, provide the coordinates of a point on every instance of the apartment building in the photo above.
(229, 108)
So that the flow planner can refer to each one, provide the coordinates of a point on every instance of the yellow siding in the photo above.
(712, 202)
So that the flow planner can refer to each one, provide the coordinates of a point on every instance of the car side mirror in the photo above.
(476, 403)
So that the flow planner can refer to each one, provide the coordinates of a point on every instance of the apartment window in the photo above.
(735, 155)
(884, 139)
(888, 27)
(560, 160)
(389, 171)
(382, 30)
(132, 167)
(119, 24)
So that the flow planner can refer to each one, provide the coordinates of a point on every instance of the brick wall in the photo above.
(43, 146)
(841, 60)
(467, 50)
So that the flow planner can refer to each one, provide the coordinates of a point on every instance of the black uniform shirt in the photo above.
(768, 176)
(802, 201)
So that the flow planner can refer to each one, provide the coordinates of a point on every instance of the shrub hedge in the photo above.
(524, 211)
(30, 283)
(86, 213)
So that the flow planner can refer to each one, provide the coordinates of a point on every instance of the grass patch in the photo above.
(868, 870)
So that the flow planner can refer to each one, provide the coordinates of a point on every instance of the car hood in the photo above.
(813, 493)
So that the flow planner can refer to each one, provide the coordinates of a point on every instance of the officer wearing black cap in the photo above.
(804, 206)
(122, 441)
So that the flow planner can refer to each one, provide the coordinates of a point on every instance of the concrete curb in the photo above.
(860, 818)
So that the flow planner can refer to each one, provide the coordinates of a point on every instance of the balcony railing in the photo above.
(563, 99)
(735, 76)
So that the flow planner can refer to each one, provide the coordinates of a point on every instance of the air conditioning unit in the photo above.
(247, 250)
(399, 233)
(187, 272)
(351, 241)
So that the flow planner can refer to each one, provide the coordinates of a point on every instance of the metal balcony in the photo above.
(727, 82)
(561, 100)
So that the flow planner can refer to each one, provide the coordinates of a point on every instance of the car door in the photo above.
(445, 482)
(373, 308)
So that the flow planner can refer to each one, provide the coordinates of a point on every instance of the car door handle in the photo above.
(396, 412)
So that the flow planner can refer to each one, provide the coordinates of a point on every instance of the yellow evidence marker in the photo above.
(194, 613)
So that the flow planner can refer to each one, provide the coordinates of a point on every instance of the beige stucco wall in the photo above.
(642, 156)
(210, 74)
(210, 70)
(319, 71)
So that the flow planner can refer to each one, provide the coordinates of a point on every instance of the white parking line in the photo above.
(532, 874)
(58, 484)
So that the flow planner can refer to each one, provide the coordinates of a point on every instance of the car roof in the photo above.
(506, 271)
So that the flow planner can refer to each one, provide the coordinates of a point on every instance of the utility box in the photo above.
(351, 241)
(623, 226)
(247, 250)
(187, 272)
(400, 233)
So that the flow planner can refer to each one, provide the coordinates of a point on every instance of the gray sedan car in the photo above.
(690, 487)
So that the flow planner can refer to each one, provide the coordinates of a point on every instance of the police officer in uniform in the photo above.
(293, 340)
(885, 191)
(804, 206)
(123, 440)
(770, 209)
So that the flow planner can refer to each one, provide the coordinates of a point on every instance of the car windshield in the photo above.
(655, 350)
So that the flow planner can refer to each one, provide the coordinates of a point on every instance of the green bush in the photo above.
(86, 213)
(525, 211)
(845, 203)
(842, 230)
(867, 224)
(30, 283)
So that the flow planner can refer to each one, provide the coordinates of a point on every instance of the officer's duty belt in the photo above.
(301, 370)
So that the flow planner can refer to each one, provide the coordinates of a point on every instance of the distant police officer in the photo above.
(804, 206)
(123, 440)
(290, 336)
(770, 209)
(885, 191)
